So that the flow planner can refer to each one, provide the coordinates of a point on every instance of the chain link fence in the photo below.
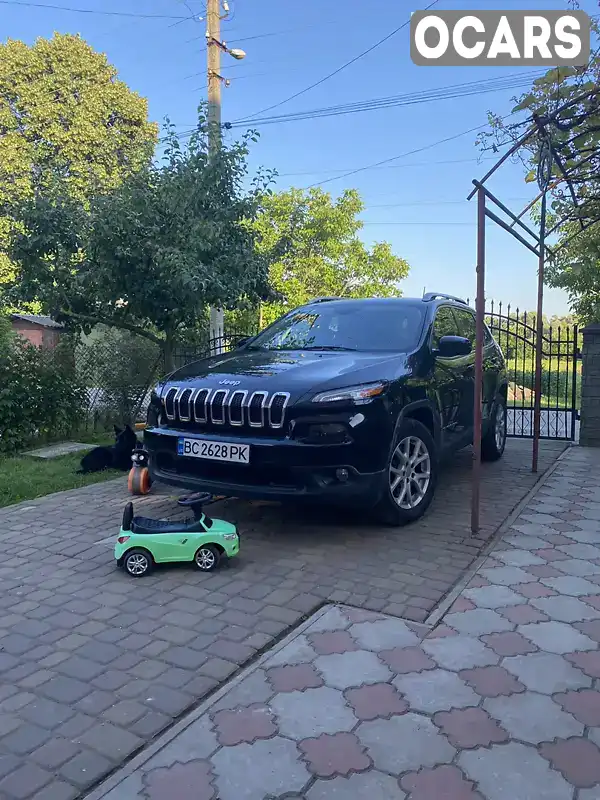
(118, 370)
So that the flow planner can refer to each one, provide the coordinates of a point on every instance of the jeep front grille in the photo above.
(258, 409)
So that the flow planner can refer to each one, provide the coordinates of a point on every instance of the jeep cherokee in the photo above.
(349, 401)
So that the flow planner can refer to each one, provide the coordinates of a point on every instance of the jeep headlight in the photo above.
(353, 394)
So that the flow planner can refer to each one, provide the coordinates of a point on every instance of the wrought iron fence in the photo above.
(210, 347)
(516, 334)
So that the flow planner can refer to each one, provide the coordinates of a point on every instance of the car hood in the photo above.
(296, 371)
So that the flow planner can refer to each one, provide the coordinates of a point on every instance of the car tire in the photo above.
(138, 562)
(494, 441)
(406, 496)
(207, 558)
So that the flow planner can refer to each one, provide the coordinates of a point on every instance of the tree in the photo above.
(577, 266)
(323, 255)
(64, 114)
(151, 254)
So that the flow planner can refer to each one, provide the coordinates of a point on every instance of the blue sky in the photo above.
(157, 58)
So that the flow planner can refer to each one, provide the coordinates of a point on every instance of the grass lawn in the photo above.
(25, 478)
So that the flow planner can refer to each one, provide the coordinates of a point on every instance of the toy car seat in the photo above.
(148, 525)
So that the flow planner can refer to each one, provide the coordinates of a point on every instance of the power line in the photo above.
(403, 155)
(339, 69)
(274, 33)
(392, 166)
(443, 93)
(91, 10)
(412, 203)
(430, 95)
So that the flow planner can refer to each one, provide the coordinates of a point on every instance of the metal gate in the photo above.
(516, 334)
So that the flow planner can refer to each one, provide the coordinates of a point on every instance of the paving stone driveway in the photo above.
(500, 701)
(93, 663)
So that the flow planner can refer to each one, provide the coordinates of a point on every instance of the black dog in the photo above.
(116, 457)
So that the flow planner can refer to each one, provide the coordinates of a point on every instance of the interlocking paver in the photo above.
(435, 690)
(334, 754)
(422, 743)
(508, 771)
(344, 670)
(459, 652)
(584, 704)
(444, 781)
(407, 659)
(245, 724)
(253, 771)
(532, 717)
(588, 662)
(509, 643)
(556, 637)
(546, 672)
(577, 759)
(469, 727)
(374, 785)
(301, 715)
(565, 608)
(375, 700)
(294, 677)
(190, 781)
(494, 596)
(383, 634)
(491, 681)
(132, 655)
(478, 622)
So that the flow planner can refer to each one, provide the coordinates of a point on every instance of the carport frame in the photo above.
(549, 161)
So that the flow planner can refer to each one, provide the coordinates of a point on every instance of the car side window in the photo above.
(444, 325)
(467, 325)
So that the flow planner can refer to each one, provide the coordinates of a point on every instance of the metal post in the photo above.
(213, 66)
(537, 403)
(477, 393)
(575, 356)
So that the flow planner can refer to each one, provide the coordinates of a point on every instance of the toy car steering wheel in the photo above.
(195, 499)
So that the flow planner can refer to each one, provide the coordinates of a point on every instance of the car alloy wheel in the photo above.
(137, 564)
(410, 472)
(205, 558)
(500, 427)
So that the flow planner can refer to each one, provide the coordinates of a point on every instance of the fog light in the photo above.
(342, 474)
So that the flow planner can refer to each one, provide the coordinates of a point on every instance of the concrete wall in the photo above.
(590, 387)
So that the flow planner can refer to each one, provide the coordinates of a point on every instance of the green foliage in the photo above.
(118, 368)
(576, 268)
(64, 115)
(149, 256)
(39, 396)
(322, 254)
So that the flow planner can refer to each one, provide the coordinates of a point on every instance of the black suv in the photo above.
(350, 401)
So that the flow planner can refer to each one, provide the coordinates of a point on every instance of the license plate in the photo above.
(215, 451)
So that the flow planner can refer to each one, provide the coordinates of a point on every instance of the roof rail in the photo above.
(440, 295)
(322, 300)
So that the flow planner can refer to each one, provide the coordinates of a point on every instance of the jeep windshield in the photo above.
(360, 326)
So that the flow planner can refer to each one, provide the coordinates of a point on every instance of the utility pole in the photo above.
(213, 65)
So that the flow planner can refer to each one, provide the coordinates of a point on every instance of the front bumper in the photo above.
(278, 469)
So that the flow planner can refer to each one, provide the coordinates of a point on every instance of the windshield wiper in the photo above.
(329, 347)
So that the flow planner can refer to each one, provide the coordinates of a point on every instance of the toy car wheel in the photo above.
(139, 480)
(138, 563)
(207, 558)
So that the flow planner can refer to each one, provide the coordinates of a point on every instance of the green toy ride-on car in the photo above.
(144, 542)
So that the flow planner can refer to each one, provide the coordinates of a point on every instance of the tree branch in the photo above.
(113, 323)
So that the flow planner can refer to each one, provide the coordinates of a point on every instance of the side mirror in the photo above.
(242, 342)
(453, 346)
